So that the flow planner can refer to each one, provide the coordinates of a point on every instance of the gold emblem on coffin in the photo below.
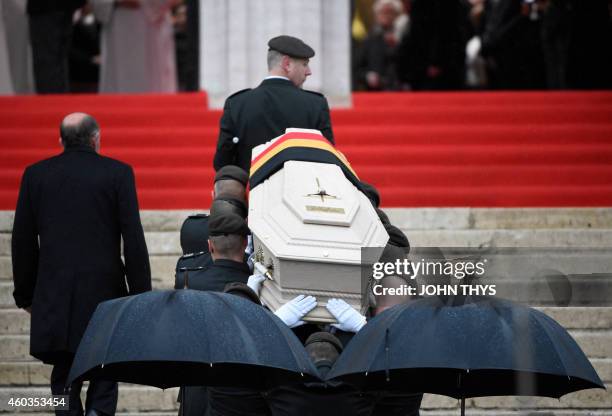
(259, 261)
(322, 193)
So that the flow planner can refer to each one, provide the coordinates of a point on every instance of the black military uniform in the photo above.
(223, 271)
(73, 209)
(254, 116)
(194, 399)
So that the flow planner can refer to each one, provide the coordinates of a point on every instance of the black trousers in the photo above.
(50, 35)
(101, 395)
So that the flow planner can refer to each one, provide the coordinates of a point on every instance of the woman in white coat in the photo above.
(137, 46)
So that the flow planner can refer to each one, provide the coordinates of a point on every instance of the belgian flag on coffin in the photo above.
(302, 146)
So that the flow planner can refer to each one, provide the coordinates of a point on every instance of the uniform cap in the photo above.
(232, 172)
(225, 223)
(288, 45)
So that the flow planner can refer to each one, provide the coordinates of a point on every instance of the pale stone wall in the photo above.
(234, 36)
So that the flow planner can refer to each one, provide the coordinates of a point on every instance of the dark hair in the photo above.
(80, 133)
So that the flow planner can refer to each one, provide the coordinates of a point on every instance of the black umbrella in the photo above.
(466, 347)
(189, 337)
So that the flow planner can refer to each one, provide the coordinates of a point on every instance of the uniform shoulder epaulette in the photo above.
(239, 92)
(314, 92)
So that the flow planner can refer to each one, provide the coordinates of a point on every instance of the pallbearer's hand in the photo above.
(348, 318)
(292, 312)
(255, 282)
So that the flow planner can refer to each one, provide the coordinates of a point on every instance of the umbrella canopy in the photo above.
(466, 347)
(189, 337)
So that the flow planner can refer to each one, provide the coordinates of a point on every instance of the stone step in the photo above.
(423, 218)
(171, 220)
(574, 291)
(162, 268)
(6, 221)
(168, 242)
(6, 268)
(510, 238)
(586, 291)
(152, 220)
(595, 344)
(134, 398)
(585, 399)
(158, 242)
(24, 373)
(17, 321)
(499, 218)
(6, 295)
(14, 322)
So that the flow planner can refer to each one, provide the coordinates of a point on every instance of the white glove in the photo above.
(255, 282)
(348, 318)
(292, 312)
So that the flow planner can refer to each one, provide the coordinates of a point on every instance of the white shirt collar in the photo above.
(276, 77)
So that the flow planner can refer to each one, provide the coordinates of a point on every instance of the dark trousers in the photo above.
(193, 401)
(101, 395)
(50, 35)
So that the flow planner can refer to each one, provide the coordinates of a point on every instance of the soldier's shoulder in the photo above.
(314, 93)
(238, 93)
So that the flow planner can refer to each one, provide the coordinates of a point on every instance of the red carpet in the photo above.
(427, 149)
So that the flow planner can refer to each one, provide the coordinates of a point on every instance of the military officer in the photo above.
(254, 116)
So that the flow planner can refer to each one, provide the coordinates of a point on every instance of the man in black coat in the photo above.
(431, 55)
(73, 209)
(254, 116)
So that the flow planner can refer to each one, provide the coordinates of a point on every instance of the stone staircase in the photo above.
(591, 326)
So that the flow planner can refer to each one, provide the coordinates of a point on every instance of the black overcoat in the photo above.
(73, 209)
(263, 113)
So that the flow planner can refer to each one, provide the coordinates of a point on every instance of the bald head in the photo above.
(78, 129)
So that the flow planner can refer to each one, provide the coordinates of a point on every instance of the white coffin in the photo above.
(309, 224)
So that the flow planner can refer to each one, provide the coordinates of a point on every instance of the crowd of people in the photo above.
(123, 46)
(398, 45)
(401, 45)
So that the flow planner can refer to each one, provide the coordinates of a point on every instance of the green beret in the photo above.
(225, 204)
(288, 45)
(224, 223)
(232, 172)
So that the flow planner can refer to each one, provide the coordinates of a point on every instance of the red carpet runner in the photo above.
(426, 149)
